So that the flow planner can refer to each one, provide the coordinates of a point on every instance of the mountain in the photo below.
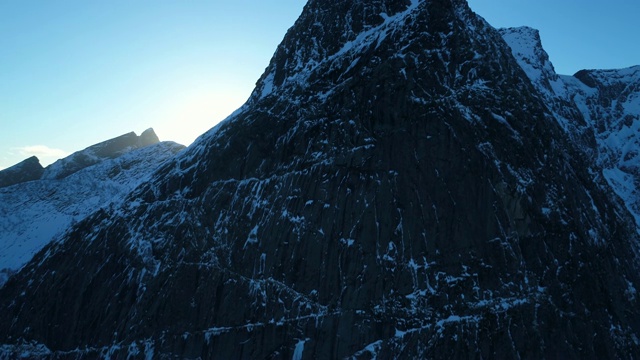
(602, 106)
(94, 154)
(34, 213)
(396, 186)
(611, 102)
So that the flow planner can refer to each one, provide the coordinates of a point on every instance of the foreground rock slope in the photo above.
(396, 186)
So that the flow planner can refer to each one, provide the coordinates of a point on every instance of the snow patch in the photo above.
(299, 349)
(252, 238)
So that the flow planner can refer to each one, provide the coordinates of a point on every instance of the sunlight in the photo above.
(193, 114)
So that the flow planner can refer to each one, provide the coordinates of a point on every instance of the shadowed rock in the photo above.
(27, 170)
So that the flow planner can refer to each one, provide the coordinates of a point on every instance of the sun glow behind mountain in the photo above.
(75, 73)
(189, 114)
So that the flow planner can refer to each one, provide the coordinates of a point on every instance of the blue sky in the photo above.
(76, 72)
(577, 34)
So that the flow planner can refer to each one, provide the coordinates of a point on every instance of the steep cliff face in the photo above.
(394, 187)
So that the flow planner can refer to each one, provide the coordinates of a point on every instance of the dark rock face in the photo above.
(94, 154)
(27, 170)
(394, 187)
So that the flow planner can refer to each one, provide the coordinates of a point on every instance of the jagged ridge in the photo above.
(94, 154)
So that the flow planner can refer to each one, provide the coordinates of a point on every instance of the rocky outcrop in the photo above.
(27, 170)
(395, 186)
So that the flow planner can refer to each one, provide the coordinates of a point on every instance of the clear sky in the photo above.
(77, 72)
(577, 34)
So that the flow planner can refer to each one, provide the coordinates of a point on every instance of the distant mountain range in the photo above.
(405, 181)
(38, 204)
(598, 109)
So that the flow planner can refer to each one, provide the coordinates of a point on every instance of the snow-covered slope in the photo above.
(35, 212)
(527, 48)
(610, 103)
(599, 109)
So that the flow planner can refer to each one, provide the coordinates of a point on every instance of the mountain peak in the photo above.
(148, 137)
(331, 32)
(33, 213)
(93, 154)
(526, 47)
(26, 170)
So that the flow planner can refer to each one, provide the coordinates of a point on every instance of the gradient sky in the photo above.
(77, 72)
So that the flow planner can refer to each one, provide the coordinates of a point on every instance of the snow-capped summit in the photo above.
(526, 45)
(315, 43)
